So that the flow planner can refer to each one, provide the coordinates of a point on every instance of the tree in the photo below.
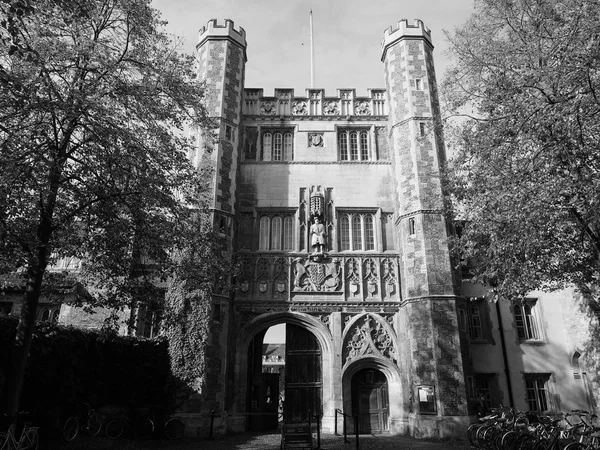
(95, 99)
(524, 97)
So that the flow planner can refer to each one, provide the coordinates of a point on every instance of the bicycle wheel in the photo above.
(31, 439)
(174, 428)
(526, 441)
(576, 446)
(94, 424)
(114, 429)
(144, 428)
(472, 433)
(2, 440)
(70, 428)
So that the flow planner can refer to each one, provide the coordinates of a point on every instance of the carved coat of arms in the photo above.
(316, 276)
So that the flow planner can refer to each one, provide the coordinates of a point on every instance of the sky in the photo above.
(347, 41)
(347, 36)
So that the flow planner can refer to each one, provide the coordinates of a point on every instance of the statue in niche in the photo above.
(317, 236)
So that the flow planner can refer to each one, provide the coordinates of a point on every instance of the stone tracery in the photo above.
(368, 335)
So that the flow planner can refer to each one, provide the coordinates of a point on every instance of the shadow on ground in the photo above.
(254, 441)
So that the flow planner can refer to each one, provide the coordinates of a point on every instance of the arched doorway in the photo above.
(370, 401)
(300, 382)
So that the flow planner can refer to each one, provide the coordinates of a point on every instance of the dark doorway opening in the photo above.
(303, 376)
(370, 401)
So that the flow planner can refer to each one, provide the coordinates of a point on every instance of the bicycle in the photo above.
(86, 416)
(29, 439)
(142, 429)
(173, 427)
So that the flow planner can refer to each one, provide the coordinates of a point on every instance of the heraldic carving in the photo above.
(369, 335)
(311, 276)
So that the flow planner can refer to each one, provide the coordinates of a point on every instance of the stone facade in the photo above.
(380, 298)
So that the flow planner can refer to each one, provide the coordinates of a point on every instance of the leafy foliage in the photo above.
(96, 107)
(524, 100)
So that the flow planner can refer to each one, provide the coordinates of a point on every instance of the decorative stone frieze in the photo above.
(331, 108)
(277, 277)
(362, 108)
(299, 108)
(268, 108)
(369, 334)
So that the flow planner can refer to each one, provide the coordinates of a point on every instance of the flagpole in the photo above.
(312, 53)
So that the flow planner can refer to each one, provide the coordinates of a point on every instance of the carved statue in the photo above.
(317, 233)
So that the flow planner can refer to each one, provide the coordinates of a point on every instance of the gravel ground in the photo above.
(247, 441)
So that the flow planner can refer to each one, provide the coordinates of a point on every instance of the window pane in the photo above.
(530, 328)
(277, 146)
(356, 233)
(288, 233)
(519, 322)
(369, 233)
(354, 145)
(364, 146)
(343, 146)
(276, 233)
(345, 233)
(475, 331)
(267, 145)
(263, 240)
(288, 147)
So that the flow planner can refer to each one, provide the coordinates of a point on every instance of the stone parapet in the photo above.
(314, 103)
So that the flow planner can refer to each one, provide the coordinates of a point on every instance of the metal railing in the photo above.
(355, 420)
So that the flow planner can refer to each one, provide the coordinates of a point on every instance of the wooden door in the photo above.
(370, 390)
(303, 376)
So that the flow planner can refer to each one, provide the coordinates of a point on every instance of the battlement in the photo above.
(315, 103)
(214, 30)
(404, 30)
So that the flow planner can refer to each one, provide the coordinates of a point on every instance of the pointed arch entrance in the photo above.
(370, 401)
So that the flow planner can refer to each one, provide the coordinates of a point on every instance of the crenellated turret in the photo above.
(429, 316)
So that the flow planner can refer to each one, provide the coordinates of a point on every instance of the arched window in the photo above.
(288, 233)
(263, 237)
(525, 320)
(345, 232)
(369, 233)
(288, 147)
(353, 145)
(357, 232)
(278, 145)
(267, 142)
(364, 146)
(343, 146)
(276, 233)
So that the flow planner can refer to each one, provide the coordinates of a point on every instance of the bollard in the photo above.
(335, 423)
(318, 432)
(212, 423)
(345, 433)
(356, 431)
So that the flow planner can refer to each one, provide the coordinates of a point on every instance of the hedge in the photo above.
(68, 366)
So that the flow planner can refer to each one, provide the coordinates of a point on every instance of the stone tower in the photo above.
(432, 349)
(221, 56)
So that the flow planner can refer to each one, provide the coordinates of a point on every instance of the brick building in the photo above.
(334, 203)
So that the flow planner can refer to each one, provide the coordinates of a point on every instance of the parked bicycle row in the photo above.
(20, 435)
(144, 424)
(511, 429)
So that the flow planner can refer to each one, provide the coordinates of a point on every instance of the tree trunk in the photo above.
(24, 335)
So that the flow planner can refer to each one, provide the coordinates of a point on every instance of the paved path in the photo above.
(247, 441)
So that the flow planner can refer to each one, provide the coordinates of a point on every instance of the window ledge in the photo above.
(480, 341)
(532, 342)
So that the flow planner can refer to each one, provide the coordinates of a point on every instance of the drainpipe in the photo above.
(504, 356)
